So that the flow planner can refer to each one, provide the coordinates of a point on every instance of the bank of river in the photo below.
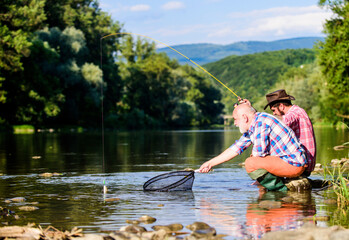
(195, 231)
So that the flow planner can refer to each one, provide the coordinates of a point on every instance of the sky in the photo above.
(218, 21)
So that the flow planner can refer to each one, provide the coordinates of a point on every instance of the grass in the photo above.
(338, 125)
(18, 129)
(340, 183)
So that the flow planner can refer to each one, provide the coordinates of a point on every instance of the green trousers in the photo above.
(268, 180)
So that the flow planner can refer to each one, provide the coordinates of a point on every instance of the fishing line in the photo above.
(113, 34)
(102, 120)
(101, 66)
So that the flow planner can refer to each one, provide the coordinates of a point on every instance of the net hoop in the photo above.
(172, 186)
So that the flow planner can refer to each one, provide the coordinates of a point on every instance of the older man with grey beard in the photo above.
(276, 152)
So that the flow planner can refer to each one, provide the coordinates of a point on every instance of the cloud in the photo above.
(304, 21)
(268, 24)
(173, 5)
(273, 23)
(280, 25)
(278, 11)
(140, 8)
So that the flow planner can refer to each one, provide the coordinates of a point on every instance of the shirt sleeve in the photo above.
(261, 143)
(289, 118)
(240, 145)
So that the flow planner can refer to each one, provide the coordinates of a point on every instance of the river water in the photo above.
(224, 198)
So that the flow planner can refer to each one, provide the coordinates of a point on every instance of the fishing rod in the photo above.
(101, 66)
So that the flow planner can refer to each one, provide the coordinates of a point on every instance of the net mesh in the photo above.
(172, 181)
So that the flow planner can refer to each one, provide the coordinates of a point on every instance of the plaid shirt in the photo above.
(271, 136)
(297, 119)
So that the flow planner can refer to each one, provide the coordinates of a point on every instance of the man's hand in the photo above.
(245, 101)
(205, 167)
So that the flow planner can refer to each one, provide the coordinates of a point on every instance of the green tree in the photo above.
(250, 76)
(172, 94)
(306, 84)
(205, 97)
(55, 75)
(80, 80)
(147, 79)
(334, 57)
(18, 20)
(86, 16)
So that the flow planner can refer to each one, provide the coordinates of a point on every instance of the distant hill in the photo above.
(205, 53)
(252, 75)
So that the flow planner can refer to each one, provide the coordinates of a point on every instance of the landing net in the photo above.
(172, 181)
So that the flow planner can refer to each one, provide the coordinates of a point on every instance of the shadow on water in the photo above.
(224, 198)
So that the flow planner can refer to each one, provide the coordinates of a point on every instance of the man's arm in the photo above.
(225, 156)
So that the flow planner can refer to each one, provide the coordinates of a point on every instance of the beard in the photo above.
(242, 130)
(280, 111)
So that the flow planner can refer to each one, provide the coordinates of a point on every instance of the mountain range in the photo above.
(203, 53)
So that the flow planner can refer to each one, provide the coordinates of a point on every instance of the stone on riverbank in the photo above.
(28, 208)
(133, 229)
(268, 204)
(343, 163)
(169, 228)
(15, 199)
(200, 231)
(298, 184)
(48, 175)
(20, 232)
(310, 232)
(318, 169)
(147, 219)
(198, 226)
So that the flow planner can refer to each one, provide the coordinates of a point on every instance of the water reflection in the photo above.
(133, 151)
(274, 215)
(225, 198)
(289, 215)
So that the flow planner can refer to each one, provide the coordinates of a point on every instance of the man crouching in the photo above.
(276, 152)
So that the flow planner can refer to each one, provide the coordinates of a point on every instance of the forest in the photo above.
(66, 63)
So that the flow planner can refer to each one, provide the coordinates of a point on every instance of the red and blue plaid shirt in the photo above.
(297, 119)
(270, 136)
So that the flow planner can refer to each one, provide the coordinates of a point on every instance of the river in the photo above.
(224, 198)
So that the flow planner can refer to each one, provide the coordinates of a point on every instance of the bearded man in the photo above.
(276, 153)
(298, 120)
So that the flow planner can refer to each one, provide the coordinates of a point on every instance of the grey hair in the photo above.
(251, 109)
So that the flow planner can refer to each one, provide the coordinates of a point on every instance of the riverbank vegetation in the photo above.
(338, 197)
(338, 175)
(56, 69)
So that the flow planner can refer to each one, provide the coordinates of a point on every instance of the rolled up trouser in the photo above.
(268, 180)
(273, 164)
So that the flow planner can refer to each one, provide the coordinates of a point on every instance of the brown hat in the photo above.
(277, 96)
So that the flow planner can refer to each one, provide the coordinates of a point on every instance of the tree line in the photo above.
(58, 70)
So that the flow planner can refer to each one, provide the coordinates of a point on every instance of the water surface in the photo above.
(224, 198)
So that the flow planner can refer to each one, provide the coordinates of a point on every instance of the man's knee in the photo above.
(250, 164)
